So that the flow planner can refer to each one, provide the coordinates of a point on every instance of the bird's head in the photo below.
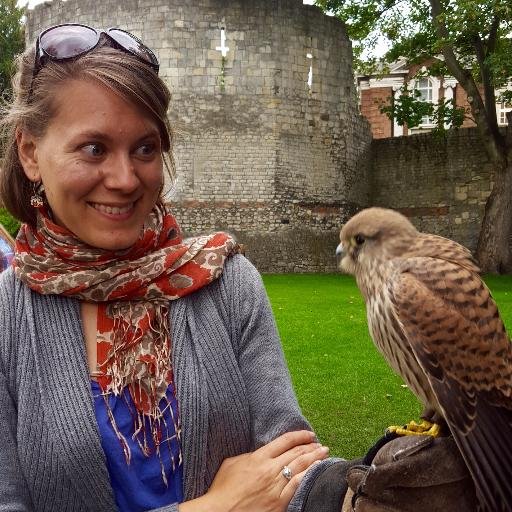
(373, 235)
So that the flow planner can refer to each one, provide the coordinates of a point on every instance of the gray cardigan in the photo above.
(233, 388)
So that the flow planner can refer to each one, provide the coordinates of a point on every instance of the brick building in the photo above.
(376, 90)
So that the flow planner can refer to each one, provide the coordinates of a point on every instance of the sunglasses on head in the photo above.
(68, 41)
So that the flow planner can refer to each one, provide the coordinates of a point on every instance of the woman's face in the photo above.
(100, 162)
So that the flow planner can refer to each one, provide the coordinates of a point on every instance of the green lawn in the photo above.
(9, 222)
(344, 387)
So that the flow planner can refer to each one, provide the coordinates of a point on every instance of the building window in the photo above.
(502, 109)
(425, 87)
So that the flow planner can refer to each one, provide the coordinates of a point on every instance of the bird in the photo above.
(435, 322)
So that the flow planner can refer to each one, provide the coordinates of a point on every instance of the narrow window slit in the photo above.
(310, 74)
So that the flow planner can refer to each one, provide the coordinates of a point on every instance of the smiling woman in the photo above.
(100, 164)
(135, 366)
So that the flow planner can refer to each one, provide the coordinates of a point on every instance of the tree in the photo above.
(474, 38)
(11, 41)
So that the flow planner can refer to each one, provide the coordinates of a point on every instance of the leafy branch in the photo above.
(11, 41)
(409, 109)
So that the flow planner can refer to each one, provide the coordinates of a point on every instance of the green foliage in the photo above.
(477, 33)
(408, 108)
(447, 113)
(344, 386)
(501, 63)
(11, 41)
(400, 22)
(9, 222)
(506, 97)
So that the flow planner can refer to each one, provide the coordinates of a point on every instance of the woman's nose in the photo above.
(121, 174)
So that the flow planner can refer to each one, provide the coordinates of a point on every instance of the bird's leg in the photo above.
(431, 425)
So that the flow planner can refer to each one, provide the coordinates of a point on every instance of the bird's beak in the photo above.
(340, 252)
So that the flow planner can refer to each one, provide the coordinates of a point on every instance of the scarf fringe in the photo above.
(134, 355)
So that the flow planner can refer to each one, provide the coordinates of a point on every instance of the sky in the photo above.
(31, 3)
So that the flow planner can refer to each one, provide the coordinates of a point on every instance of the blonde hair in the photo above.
(33, 107)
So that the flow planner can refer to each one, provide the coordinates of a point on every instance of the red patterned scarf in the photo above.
(132, 289)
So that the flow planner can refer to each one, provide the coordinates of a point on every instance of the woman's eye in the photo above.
(94, 150)
(146, 150)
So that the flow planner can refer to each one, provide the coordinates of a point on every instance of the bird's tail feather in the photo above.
(487, 450)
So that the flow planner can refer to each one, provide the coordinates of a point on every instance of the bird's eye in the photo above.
(359, 239)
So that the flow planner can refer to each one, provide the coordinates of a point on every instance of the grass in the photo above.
(344, 386)
(9, 222)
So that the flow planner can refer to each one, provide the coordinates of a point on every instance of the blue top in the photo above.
(6, 253)
(139, 486)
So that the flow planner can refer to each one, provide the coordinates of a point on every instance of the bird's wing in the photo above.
(453, 326)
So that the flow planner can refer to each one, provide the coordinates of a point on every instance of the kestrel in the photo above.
(436, 324)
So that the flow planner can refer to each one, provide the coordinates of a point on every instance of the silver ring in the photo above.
(287, 473)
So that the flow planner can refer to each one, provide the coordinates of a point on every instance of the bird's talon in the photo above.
(425, 428)
(398, 430)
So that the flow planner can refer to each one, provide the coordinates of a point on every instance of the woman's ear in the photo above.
(27, 153)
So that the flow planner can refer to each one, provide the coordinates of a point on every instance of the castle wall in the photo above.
(440, 182)
(260, 152)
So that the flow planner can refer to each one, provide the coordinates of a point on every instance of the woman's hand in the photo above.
(254, 482)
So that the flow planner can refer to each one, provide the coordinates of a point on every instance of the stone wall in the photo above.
(259, 152)
(440, 182)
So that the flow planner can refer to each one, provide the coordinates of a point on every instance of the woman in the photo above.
(112, 393)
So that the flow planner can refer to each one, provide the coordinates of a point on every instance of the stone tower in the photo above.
(270, 143)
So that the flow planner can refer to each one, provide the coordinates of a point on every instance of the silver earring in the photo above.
(36, 200)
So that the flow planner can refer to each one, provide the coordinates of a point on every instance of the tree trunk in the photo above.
(493, 250)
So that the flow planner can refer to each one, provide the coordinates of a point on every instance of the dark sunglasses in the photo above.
(70, 40)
